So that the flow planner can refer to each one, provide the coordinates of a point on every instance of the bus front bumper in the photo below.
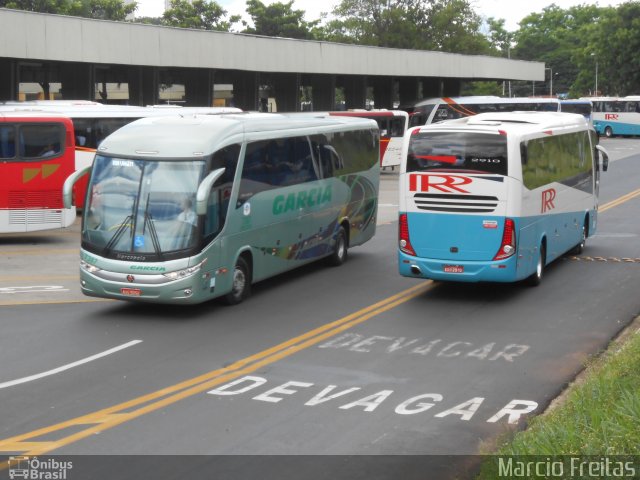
(187, 291)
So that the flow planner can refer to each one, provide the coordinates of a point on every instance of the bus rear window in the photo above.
(458, 151)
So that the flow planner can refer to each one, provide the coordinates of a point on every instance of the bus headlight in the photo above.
(185, 272)
(87, 267)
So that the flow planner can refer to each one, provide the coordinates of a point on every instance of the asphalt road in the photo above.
(349, 361)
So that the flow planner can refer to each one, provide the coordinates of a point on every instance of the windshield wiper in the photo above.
(148, 220)
(127, 222)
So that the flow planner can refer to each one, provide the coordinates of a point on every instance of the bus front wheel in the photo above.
(241, 287)
(579, 248)
(536, 278)
(608, 132)
(339, 254)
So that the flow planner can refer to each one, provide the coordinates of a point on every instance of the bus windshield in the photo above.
(142, 207)
(457, 151)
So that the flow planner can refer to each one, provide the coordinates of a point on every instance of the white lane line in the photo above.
(69, 365)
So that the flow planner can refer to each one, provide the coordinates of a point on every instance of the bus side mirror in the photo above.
(204, 189)
(605, 157)
(67, 188)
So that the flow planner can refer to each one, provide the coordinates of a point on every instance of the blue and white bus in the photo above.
(616, 115)
(496, 197)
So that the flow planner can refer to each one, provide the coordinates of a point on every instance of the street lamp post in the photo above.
(595, 93)
(550, 80)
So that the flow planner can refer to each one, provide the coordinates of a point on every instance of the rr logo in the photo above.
(548, 196)
(610, 116)
(442, 183)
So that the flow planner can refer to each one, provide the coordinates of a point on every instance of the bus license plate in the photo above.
(132, 292)
(453, 269)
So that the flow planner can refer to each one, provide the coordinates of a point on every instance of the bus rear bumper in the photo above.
(457, 271)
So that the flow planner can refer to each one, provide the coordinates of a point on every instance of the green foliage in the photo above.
(100, 9)
(483, 88)
(279, 20)
(42, 6)
(499, 38)
(444, 25)
(199, 14)
(601, 416)
(614, 43)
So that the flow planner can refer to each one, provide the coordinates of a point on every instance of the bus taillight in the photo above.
(403, 234)
(508, 245)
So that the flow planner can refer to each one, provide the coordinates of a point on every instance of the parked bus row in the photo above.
(92, 123)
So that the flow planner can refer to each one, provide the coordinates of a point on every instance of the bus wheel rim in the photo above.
(340, 247)
(239, 281)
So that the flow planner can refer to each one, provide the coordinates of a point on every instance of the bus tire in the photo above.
(339, 254)
(579, 248)
(241, 286)
(536, 278)
(608, 132)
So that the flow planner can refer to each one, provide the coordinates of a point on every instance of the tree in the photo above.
(100, 9)
(41, 6)
(614, 45)
(279, 20)
(199, 14)
(556, 37)
(499, 38)
(445, 25)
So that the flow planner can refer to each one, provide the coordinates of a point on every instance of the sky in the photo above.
(512, 11)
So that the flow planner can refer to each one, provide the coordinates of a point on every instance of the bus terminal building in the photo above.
(45, 56)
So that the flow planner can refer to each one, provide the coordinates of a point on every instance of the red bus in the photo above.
(93, 122)
(37, 154)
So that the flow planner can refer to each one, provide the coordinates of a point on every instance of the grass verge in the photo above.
(599, 416)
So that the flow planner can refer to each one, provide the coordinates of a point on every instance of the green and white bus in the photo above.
(185, 209)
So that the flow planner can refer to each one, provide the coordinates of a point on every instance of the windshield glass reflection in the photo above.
(142, 207)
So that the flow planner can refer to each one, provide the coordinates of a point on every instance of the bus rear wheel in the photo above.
(339, 254)
(241, 287)
(608, 132)
(536, 278)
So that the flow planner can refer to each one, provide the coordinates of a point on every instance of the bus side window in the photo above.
(40, 141)
(7, 142)
(397, 127)
(220, 196)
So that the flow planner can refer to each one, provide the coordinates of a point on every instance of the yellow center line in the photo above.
(620, 201)
(110, 417)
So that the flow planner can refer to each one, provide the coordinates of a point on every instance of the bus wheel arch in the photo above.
(241, 279)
